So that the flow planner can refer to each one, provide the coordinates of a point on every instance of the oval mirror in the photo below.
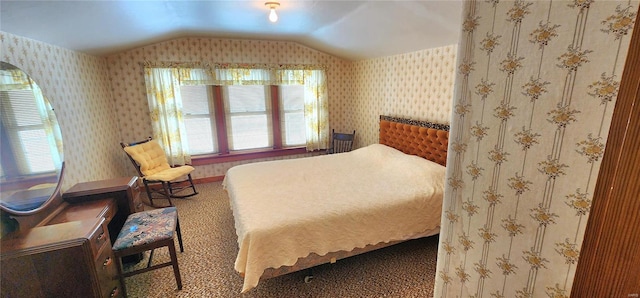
(30, 144)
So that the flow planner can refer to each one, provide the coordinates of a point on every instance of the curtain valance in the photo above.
(204, 65)
(14, 79)
(226, 74)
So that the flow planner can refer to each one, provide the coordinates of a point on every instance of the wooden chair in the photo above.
(158, 176)
(341, 142)
(144, 231)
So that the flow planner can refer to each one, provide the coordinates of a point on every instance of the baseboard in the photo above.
(208, 179)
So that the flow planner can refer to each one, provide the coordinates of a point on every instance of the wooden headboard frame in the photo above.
(421, 138)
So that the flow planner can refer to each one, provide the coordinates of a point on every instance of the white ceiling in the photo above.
(349, 29)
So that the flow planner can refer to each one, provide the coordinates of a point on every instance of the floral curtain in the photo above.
(165, 107)
(51, 127)
(312, 77)
(316, 110)
(14, 79)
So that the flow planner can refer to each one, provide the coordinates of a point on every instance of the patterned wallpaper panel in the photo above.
(78, 87)
(130, 99)
(535, 91)
(416, 85)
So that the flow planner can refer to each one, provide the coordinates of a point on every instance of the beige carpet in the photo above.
(403, 270)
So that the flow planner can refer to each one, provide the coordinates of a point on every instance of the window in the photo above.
(23, 134)
(247, 111)
(292, 115)
(222, 119)
(199, 119)
(241, 127)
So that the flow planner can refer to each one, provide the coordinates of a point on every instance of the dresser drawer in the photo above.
(105, 264)
(107, 272)
(98, 239)
(111, 211)
(112, 290)
(136, 187)
(136, 200)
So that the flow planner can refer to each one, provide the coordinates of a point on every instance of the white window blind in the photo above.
(199, 120)
(248, 116)
(292, 115)
(26, 133)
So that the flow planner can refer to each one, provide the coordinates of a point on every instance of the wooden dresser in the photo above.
(125, 191)
(68, 254)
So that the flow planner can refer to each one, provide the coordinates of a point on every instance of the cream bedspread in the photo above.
(286, 209)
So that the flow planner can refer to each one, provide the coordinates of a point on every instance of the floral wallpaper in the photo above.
(535, 91)
(416, 85)
(78, 87)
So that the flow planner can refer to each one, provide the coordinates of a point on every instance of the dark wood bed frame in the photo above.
(421, 138)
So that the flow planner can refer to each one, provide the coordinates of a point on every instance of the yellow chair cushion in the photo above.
(153, 162)
(170, 174)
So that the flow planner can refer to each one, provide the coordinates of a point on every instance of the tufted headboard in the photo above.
(421, 138)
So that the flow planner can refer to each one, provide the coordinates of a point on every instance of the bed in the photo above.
(299, 213)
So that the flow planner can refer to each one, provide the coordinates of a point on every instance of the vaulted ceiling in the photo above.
(352, 30)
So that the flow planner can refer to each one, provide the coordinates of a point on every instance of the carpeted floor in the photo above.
(403, 270)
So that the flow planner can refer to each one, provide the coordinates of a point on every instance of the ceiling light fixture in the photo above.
(273, 17)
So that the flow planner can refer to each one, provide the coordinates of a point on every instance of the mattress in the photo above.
(287, 209)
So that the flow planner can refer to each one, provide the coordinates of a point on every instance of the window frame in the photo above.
(283, 114)
(210, 114)
(224, 154)
(267, 112)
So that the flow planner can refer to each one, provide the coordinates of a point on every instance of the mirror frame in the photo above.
(55, 196)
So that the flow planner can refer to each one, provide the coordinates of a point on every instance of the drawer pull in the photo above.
(115, 292)
(107, 262)
(101, 237)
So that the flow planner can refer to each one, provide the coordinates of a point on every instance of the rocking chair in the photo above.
(158, 176)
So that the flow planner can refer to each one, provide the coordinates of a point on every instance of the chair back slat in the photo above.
(341, 142)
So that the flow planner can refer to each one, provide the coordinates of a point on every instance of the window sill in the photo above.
(206, 159)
